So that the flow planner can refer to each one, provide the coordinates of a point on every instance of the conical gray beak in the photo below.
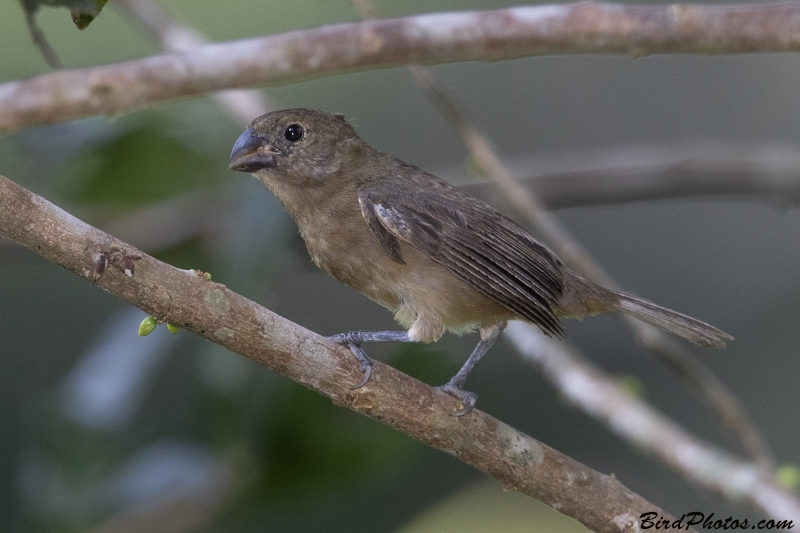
(252, 153)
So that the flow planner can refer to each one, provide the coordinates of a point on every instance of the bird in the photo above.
(438, 258)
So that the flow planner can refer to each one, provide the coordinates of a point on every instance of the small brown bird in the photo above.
(439, 258)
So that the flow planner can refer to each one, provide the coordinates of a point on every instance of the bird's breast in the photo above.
(344, 248)
(418, 290)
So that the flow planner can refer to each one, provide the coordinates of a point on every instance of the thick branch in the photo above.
(209, 309)
(583, 28)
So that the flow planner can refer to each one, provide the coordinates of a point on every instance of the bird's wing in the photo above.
(479, 245)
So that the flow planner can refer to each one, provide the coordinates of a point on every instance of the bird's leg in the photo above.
(354, 340)
(455, 387)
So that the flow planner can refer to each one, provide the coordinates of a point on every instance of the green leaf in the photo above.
(82, 18)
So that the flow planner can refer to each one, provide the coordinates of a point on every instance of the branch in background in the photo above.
(40, 39)
(770, 172)
(242, 106)
(588, 387)
(583, 28)
(209, 309)
(528, 204)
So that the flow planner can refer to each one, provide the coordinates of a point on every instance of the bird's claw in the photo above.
(366, 368)
(467, 399)
(350, 340)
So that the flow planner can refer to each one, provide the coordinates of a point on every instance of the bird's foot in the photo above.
(353, 341)
(467, 399)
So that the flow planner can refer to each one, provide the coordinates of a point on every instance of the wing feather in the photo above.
(388, 240)
(483, 248)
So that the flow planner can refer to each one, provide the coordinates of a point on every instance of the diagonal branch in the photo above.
(40, 40)
(582, 28)
(587, 386)
(209, 309)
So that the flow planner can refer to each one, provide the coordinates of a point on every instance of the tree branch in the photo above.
(40, 39)
(770, 172)
(595, 393)
(209, 309)
(583, 28)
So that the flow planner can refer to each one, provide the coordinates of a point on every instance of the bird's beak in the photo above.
(252, 153)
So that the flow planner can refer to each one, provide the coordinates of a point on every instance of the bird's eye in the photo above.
(294, 133)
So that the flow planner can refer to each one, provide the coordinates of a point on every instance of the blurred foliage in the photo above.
(282, 442)
(426, 362)
(309, 446)
(138, 164)
(788, 475)
(631, 385)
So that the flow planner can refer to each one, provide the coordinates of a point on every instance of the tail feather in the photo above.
(684, 326)
(584, 298)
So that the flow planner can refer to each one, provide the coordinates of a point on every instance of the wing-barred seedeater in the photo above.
(440, 259)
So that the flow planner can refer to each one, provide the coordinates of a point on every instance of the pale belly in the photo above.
(425, 296)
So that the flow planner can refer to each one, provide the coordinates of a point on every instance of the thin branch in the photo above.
(40, 39)
(528, 204)
(587, 386)
(583, 28)
(768, 172)
(209, 309)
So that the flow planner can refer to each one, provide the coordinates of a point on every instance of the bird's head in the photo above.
(298, 146)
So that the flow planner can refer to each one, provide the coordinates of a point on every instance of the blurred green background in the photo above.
(103, 430)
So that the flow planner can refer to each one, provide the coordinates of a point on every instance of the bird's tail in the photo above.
(689, 328)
